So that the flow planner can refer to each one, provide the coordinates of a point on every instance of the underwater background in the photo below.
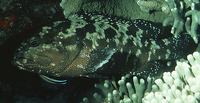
(20, 19)
(17, 86)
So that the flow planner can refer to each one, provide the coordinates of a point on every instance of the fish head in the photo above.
(49, 52)
(59, 51)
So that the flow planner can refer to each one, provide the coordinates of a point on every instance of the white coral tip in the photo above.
(159, 82)
(190, 59)
(197, 95)
(196, 55)
(178, 100)
(175, 75)
(168, 79)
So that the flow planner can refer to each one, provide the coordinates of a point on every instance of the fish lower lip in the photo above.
(18, 64)
(20, 67)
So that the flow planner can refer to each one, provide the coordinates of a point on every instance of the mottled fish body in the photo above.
(85, 42)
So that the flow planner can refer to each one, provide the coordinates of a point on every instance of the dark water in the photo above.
(17, 86)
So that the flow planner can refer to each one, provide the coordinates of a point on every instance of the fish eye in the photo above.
(34, 41)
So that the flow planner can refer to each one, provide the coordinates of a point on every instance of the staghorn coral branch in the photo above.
(176, 18)
(180, 86)
(192, 29)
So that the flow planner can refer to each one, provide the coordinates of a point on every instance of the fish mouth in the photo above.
(21, 67)
(17, 62)
(20, 63)
(25, 62)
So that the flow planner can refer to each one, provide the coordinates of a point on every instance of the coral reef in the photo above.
(178, 18)
(195, 16)
(129, 89)
(179, 86)
(177, 12)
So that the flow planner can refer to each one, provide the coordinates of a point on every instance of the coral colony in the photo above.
(178, 86)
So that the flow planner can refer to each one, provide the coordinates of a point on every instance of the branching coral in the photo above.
(176, 9)
(177, 12)
(180, 86)
(178, 18)
(127, 92)
(192, 29)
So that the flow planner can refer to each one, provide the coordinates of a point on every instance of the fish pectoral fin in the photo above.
(98, 58)
(51, 80)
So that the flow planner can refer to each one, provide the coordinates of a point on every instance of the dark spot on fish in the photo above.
(127, 45)
(64, 25)
(131, 30)
(81, 32)
(49, 38)
(110, 33)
